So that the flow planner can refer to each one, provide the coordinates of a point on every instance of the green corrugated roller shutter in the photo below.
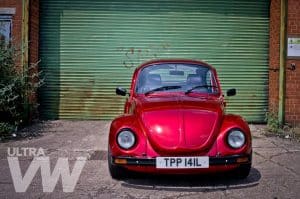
(89, 47)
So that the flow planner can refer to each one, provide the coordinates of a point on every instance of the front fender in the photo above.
(126, 121)
(231, 122)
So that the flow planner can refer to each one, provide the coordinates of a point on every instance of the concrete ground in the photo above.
(275, 172)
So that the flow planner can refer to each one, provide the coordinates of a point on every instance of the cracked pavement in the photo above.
(275, 171)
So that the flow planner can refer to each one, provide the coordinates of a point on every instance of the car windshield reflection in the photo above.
(176, 77)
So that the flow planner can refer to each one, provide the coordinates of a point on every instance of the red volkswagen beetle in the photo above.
(175, 122)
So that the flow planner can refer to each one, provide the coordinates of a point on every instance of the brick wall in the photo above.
(33, 56)
(292, 102)
(17, 27)
(274, 54)
(33, 35)
(16, 24)
(34, 31)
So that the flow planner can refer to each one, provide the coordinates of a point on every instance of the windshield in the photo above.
(176, 77)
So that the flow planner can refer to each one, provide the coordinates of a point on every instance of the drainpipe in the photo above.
(283, 46)
(24, 55)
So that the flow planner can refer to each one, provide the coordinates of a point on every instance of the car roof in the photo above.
(182, 61)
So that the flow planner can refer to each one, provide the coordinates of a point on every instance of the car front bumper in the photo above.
(213, 161)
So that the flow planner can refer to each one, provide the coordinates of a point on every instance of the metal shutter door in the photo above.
(89, 47)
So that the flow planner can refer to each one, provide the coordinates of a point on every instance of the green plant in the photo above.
(6, 128)
(272, 122)
(15, 88)
(274, 128)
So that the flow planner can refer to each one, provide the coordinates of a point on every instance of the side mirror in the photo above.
(231, 92)
(121, 91)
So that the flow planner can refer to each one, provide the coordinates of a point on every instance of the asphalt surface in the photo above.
(275, 172)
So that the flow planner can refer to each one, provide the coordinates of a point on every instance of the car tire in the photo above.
(116, 172)
(242, 171)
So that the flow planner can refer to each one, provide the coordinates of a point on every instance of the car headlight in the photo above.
(236, 139)
(126, 139)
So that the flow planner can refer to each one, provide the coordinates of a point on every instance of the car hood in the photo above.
(180, 124)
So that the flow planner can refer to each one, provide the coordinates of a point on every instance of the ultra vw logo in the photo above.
(42, 162)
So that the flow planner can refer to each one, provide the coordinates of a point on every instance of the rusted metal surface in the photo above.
(25, 49)
(90, 47)
(283, 46)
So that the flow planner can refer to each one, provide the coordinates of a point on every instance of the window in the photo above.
(5, 29)
(181, 76)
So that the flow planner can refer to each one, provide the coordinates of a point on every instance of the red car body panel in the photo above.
(177, 124)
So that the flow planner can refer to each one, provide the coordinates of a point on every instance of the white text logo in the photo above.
(49, 180)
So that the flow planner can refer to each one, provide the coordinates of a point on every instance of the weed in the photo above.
(15, 89)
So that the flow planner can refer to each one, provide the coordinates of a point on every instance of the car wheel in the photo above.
(116, 172)
(242, 171)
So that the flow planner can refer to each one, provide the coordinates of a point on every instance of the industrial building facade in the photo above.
(87, 48)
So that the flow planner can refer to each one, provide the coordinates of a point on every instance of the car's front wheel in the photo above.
(242, 171)
(116, 172)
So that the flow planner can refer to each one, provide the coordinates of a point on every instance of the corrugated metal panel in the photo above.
(90, 47)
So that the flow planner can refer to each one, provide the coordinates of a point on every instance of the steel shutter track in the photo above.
(88, 48)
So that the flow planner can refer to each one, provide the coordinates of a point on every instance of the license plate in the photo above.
(182, 162)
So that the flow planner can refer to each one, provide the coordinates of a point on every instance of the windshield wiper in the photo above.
(163, 88)
(200, 86)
